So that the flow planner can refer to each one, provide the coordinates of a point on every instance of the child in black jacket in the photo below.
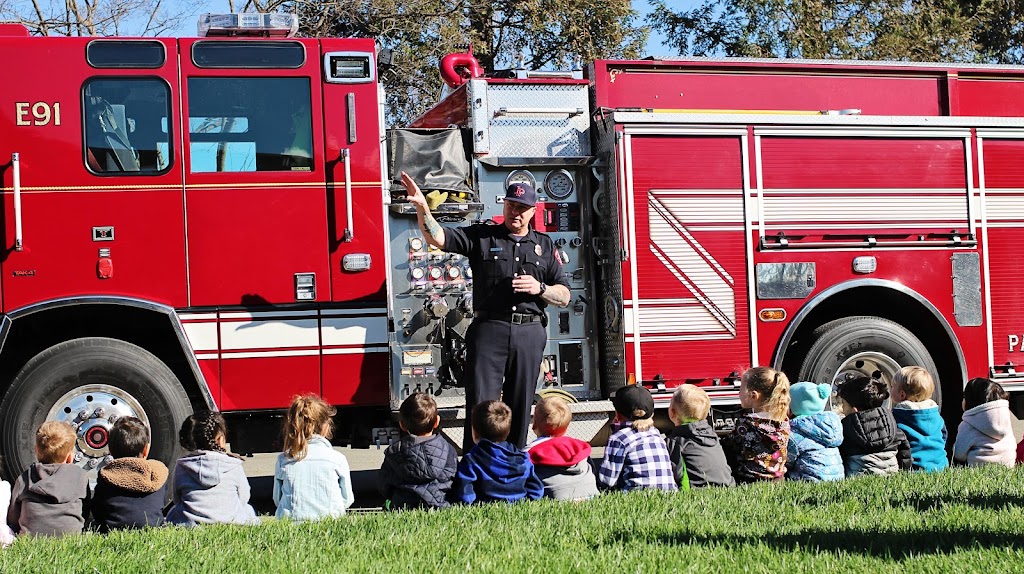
(131, 489)
(419, 468)
(872, 442)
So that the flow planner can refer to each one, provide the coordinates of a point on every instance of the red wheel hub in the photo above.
(96, 437)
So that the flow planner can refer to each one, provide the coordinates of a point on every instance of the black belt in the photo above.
(514, 318)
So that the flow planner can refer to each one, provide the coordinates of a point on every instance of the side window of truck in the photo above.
(250, 124)
(125, 126)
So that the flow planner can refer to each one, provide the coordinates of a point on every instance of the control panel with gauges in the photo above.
(432, 291)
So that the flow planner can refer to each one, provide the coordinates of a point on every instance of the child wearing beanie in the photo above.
(816, 433)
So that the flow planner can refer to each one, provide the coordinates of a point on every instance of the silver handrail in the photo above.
(528, 111)
(19, 243)
(345, 153)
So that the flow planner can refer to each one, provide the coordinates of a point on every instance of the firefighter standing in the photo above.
(515, 276)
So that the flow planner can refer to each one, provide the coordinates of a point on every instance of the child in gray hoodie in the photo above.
(693, 447)
(51, 498)
(209, 484)
(562, 463)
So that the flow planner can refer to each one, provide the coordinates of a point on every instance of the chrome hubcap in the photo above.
(869, 364)
(92, 410)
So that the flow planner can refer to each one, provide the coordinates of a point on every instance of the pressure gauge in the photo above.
(521, 176)
(454, 273)
(436, 273)
(558, 184)
(415, 244)
(417, 273)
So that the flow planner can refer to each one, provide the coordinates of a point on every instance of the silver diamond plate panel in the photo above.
(532, 129)
(586, 426)
(453, 431)
(966, 289)
(477, 95)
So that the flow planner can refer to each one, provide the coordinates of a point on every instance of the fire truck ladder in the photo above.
(724, 318)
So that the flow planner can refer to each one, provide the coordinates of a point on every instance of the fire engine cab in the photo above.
(216, 223)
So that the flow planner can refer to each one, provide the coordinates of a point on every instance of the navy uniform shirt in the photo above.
(496, 256)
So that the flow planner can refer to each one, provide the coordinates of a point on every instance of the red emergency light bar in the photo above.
(248, 24)
(13, 29)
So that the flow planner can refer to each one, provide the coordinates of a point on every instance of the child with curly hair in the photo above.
(209, 484)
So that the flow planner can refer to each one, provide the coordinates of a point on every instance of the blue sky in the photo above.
(654, 44)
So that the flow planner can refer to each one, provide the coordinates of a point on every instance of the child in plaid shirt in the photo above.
(636, 456)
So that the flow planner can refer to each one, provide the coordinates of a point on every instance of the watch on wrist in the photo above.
(543, 288)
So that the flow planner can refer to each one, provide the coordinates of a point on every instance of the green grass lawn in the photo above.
(955, 521)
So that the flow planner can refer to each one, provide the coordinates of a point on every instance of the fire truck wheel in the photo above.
(90, 383)
(864, 346)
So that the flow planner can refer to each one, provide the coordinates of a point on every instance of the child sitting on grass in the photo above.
(562, 463)
(495, 469)
(756, 448)
(816, 433)
(918, 417)
(51, 498)
(693, 446)
(131, 489)
(210, 486)
(872, 443)
(636, 456)
(311, 479)
(986, 434)
(419, 468)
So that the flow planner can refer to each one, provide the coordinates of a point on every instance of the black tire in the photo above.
(123, 369)
(837, 344)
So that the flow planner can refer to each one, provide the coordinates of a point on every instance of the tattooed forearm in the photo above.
(557, 295)
(432, 230)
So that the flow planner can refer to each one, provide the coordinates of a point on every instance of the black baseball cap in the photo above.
(632, 398)
(522, 193)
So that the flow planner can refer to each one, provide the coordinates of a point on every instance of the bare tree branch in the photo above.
(99, 17)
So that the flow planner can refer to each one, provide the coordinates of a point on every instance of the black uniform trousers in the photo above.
(503, 362)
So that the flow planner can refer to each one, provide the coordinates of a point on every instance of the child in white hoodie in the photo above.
(6, 534)
(985, 436)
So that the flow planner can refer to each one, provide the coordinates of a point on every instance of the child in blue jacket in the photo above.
(311, 479)
(495, 469)
(917, 415)
(815, 435)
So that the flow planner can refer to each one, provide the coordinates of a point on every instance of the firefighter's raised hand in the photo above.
(413, 193)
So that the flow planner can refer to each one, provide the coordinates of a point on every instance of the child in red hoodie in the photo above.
(562, 463)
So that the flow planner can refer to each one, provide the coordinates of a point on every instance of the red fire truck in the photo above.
(214, 223)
